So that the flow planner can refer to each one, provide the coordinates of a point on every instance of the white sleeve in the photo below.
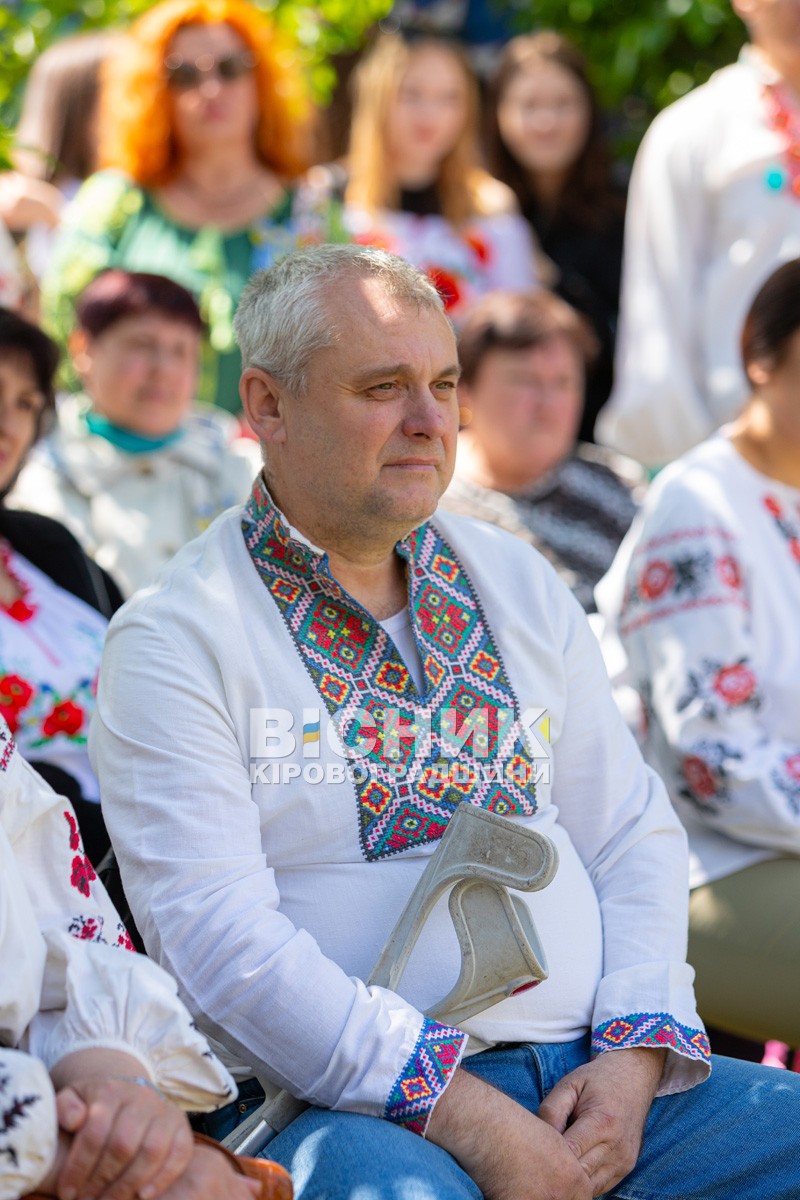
(28, 1124)
(625, 830)
(78, 984)
(686, 625)
(657, 409)
(179, 808)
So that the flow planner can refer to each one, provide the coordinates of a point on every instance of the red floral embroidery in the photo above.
(656, 578)
(124, 940)
(74, 836)
(729, 571)
(792, 764)
(90, 928)
(373, 238)
(736, 684)
(446, 285)
(82, 874)
(480, 246)
(15, 692)
(699, 777)
(63, 718)
(772, 506)
(18, 610)
(794, 546)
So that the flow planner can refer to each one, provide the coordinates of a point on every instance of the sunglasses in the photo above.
(183, 75)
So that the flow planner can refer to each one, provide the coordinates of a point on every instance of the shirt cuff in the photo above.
(688, 1059)
(426, 1074)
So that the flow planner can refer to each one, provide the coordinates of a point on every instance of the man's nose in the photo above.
(427, 415)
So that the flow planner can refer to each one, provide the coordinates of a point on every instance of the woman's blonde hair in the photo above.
(135, 133)
(461, 182)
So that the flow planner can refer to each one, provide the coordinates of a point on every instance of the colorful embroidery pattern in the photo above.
(676, 577)
(720, 687)
(786, 779)
(787, 527)
(658, 1030)
(409, 790)
(423, 1079)
(705, 774)
(7, 748)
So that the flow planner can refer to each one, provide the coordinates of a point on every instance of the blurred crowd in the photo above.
(629, 397)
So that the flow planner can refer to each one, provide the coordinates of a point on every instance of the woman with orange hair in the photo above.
(415, 183)
(203, 124)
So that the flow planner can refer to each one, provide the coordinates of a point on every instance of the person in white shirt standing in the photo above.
(713, 208)
(427, 659)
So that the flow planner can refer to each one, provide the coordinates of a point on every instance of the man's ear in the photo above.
(80, 352)
(263, 400)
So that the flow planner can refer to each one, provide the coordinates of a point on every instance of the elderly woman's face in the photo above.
(21, 406)
(526, 407)
(141, 372)
(212, 86)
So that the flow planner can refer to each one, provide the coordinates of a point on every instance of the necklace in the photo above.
(783, 115)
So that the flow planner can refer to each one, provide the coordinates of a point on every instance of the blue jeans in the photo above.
(735, 1137)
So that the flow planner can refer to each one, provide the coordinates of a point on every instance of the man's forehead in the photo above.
(364, 315)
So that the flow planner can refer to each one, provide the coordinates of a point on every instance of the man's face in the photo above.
(369, 447)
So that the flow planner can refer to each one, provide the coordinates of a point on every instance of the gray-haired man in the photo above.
(286, 723)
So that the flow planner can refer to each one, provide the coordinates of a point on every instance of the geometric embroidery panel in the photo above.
(425, 1075)
(659, 1030)
(415, 771)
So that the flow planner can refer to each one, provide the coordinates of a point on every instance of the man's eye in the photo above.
(384, 388)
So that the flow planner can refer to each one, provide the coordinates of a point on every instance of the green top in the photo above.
(114, 223)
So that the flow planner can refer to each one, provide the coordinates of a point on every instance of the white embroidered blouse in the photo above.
(69, 980)
(51, 643)
(488, 253)
(268, 878)
(705, 596)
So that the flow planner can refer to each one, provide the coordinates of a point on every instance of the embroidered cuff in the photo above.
(658, 1030)
(425, 1076)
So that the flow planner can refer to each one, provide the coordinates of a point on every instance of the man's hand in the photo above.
(601, 1109)
(509, 1153)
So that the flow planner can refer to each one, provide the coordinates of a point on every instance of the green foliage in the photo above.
(27, 27)
(644, 53)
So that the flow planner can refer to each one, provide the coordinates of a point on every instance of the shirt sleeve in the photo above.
(657, 410)
(77, 983)
(687, 627)
(179, 807)
(28, 1125)
(633, 846)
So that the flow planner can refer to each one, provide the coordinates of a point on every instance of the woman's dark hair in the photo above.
(519, 321)
(773, 317)
(116, 294)
(20, 338)
(589, 198)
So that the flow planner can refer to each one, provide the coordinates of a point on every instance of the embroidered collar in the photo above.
(413, 759)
